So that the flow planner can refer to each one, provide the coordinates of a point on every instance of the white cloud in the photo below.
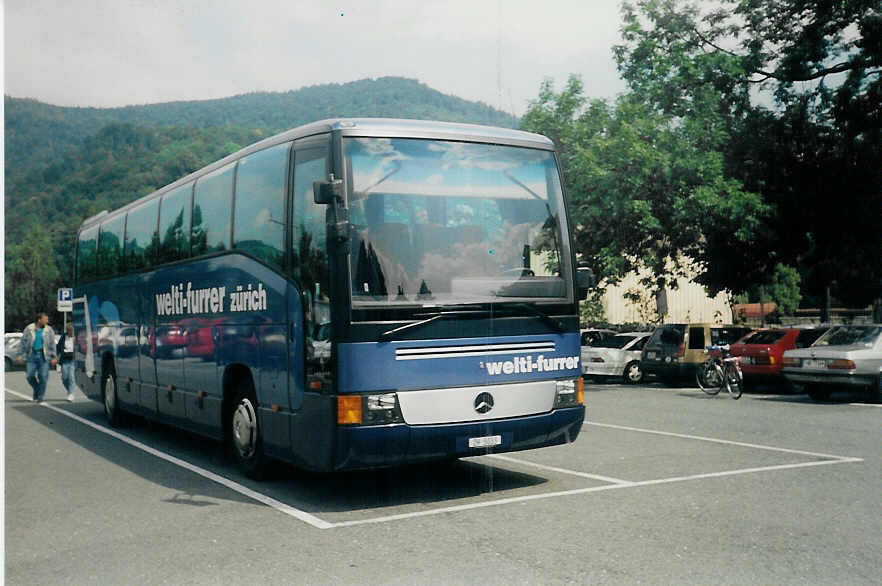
(99, 53)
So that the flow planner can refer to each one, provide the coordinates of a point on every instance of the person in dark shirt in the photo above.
(65, 351)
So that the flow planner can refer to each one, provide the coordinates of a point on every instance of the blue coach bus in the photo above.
(352, 293)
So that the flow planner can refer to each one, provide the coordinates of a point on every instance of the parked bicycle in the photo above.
(719, 371)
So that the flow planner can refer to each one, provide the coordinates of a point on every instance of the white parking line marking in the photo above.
(561, 470)
(231, 484)
(721, 441)
(533, 497)
(614, 482)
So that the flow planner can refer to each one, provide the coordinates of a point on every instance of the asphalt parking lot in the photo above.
(664, 485)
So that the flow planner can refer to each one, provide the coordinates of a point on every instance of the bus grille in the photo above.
(477, 350)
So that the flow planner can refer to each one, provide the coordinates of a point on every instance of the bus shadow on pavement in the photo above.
(350, 491)
(425, 483)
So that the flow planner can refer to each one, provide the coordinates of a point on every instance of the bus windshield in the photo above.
(443, 222)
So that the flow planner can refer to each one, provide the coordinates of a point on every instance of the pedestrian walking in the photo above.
(65, 352)
(38, 344)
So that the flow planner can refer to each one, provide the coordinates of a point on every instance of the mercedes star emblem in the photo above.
(483, 402)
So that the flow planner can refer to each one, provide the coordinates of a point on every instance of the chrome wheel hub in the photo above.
(245, 428)
(110, 395)
(634, 373)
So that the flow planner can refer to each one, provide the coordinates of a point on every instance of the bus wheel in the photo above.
(245, 434)
(111, 400)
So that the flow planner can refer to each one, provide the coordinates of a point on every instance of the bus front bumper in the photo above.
(397, 444)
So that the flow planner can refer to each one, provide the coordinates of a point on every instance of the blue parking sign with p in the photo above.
(65, 299)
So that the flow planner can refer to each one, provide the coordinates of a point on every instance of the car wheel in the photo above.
(633, 373)
(817, 392)
(245, 434)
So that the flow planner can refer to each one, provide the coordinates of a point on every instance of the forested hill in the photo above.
(65, 164)
(37, 132)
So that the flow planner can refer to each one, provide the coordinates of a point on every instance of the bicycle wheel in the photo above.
(709, 377)
(734, 382)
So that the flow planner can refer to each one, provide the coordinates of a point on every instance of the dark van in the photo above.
(675, 350)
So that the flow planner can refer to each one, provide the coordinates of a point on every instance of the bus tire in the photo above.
(245, 433)
(110, 398)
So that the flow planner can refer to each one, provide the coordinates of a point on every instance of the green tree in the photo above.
(790, 91)
(784, 289)
(646, 190)
(31, 277)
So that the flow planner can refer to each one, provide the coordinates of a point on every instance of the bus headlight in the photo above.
(368, 409)
(569, 393)
(379, 409)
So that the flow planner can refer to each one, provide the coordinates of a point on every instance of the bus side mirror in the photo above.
(584, 281)
(326, 192)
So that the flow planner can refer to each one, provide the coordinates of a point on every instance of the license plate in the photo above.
(809, 363)
(651, 355)
(747, 360)
(485, 442)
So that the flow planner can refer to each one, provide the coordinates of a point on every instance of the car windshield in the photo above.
(439, 222)
(727, 335)
(667, 335)
(764, 337)
(807, 337)
(614, 342)
(848, 335)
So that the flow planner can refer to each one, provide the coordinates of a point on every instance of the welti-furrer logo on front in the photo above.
(528, 364)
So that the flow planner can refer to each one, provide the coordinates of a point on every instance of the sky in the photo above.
(108, 53)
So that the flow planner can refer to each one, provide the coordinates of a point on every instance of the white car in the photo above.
(617, 355)
(12, 356)
(846, 356)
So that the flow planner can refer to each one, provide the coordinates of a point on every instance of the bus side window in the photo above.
(174, 224)
(310, 260)
(259, 217)
(212, 212)
(87, 254)
(142, 240)
(110, 240)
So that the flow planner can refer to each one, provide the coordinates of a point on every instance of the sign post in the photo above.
(65, 303)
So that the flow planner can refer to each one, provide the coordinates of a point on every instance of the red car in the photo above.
(761, 351)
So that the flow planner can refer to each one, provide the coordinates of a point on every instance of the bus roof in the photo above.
(366, 127)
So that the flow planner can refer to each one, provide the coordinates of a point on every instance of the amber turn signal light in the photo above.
(348, 409)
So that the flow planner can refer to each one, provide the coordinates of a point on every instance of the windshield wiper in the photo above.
(467, 313)
(555, 324)
(551, 220)
(396, 163)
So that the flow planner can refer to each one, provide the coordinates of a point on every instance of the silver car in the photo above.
(13, 357)
(617, 355)
(846, 356)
